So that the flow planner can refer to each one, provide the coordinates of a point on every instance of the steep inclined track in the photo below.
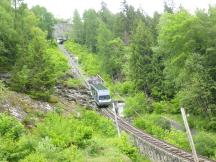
(170, 149)
(159, 144)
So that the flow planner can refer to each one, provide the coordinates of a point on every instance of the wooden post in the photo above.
(100, 78)
(189, 135)
(116, 120)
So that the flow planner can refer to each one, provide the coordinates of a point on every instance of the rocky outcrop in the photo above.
(20, 105)
(80, 96)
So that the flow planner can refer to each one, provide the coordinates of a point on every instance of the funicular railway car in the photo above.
(100, 93)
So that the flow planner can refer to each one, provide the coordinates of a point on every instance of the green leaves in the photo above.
(10, 127)
(91, 22)
(140, 60)
(38, 67)
(77, 32)
(63, 135)
(46, 20)
(186, 48)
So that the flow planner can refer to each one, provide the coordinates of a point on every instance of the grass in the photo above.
(88, 60)
(73, 83)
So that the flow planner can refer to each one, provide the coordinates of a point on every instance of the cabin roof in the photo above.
(99, 87)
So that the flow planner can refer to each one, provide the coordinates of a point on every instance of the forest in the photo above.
(156, 64)
(169, 57)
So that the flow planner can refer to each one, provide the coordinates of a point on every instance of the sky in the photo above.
(64, 8)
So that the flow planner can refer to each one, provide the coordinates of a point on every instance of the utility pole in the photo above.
(189, 135)
(116, 119)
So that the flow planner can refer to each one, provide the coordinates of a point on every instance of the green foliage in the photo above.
(177, 138)
(74, 83)
(77, 32)
(46, 20)
(205, 144)
(164, 107)
(89, 61)
(128, 149)
(138, 104)
(8, 36)
(140, 60)
(10, 127)
(186, 56)
(163, 123)
(63, 138)
(123, 88)
(39, 67)
(212, 124)
(160, 128)
(149, 124)
(24, 49)
(35, 157)
(100, 125)
(160, 64)
(63, 135)
(103, 37)
(115, 58)
(91, 22)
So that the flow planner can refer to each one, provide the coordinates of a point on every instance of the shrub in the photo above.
(74, 83)
(94, 148)
(127, 148)
(34, 157)
(53, 99)
(47, 149)
(212, 124)
(147, 123)
(137, 104)
(58, 109)
(98, 124)
(64, 131)
(163, 107)
(163, 123)
(198, 122)
(10, 127)
(177, 138)
(159, 127)
(123, 88)
(205, 144)
(7, 147)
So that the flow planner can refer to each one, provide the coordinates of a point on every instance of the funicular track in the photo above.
(168, 148)
(127, 127)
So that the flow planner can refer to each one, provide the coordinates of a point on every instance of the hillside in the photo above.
(154, 65)
(37, 131)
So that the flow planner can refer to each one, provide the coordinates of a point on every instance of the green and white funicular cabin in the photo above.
(100, 94)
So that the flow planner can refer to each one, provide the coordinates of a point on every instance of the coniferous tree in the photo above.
(77, 28)
(91, 22)
(140, 59)
(46, 20)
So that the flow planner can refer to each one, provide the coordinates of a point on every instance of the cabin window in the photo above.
(107, 97)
